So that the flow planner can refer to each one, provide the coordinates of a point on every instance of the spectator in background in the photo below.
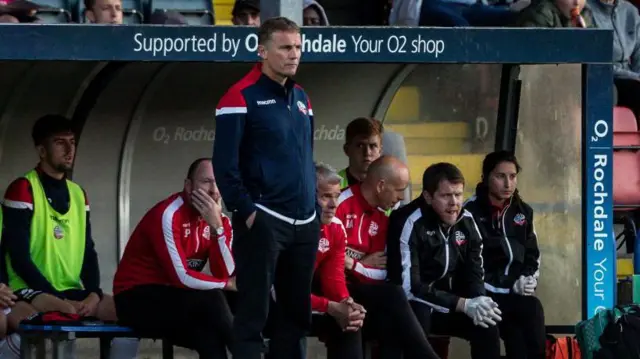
(314, 14)
(167, 17)
(246, 12)
(103, 11)
(556, 13)
(469, 13)
(454, 13)
(624, 19)
(18, 11)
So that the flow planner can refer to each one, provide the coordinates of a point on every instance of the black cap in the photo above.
(245, 4)
(49, 125)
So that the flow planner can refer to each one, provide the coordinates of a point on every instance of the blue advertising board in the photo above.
(599, 247)
(323, 44)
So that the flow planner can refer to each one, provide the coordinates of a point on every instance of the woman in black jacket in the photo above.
(511, 255)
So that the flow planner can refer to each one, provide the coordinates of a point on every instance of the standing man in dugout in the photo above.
(47, 245)
(511, 255)
(263, 161)
(337, 318)
(159, 288)
(435, 253)
(363, 145)
(361, 209)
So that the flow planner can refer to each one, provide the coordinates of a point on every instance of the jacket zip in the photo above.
(360, 229)
(197, 236)
(446, 252)
(506, 239)
(446, 248)
(289, 97)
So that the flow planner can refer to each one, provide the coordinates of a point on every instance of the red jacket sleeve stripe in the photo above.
(18, 195)
(222, 252)
(171, 230)
(334, 283)
(370, 273)
(231, 103)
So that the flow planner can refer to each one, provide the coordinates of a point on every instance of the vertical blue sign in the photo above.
(599, 246)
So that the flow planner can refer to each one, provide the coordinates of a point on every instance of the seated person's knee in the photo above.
(489, 334)
(19, 312)
(531, 305)
(107, 308)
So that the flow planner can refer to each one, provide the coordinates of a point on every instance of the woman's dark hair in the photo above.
(492, 160)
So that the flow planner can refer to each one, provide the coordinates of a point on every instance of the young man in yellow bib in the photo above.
(46, 241)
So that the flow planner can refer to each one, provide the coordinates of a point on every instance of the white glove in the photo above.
(525, 285)
(483, 311)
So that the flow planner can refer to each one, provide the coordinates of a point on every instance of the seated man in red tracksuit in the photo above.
(336, 317)
(159, 288)
(361, 208)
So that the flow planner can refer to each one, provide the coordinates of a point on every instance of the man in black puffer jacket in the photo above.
(434, 251)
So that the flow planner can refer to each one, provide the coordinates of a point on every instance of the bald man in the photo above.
(361, 208)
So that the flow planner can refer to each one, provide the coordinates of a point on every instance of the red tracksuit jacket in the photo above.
(329, 266)
(171, 245)
(366, 228)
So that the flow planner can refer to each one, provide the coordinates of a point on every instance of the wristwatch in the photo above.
(220, 231)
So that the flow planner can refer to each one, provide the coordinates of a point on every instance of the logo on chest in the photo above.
(58, 232)
(266, 102)
(302, 108)
(323, 245)
(373, 228)
(350, 219)
(460, 238)
(519, 219)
